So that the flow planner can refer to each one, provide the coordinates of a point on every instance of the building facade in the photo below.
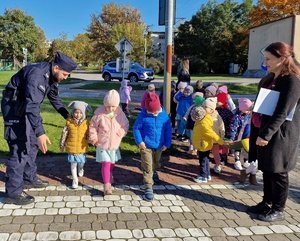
(283, 30)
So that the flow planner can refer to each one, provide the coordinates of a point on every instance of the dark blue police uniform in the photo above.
(20, 107)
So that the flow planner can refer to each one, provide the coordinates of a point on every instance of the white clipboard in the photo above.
(266, 103)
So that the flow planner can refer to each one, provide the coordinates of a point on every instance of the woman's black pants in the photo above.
(276, 189)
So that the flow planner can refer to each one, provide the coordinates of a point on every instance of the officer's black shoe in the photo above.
(21, 199)
(39, 183)
(260, 208)
(272, 216)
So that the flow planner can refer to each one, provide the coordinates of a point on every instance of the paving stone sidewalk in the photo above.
(182, 209)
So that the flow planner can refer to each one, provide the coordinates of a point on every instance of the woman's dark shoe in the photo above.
(22, 199)
(260, 208)
(272, 216)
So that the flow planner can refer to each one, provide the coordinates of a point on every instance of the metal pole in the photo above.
(168, 54)
(145, 50)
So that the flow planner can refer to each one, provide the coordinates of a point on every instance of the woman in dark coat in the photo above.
(278, 139)
(184, 74)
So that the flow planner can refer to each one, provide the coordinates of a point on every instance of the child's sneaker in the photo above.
(246, 163)
(148, 194)
(209, 178)
(217, 169)
(237, 156)
(80, 172)
(75, 183)
(184, 139)
(200, 179)
(238, 165)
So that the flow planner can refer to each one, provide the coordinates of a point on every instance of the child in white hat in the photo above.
(203, 137)
(74, 138)
(210, 105)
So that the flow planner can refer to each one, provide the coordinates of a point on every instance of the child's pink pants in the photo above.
(107, 168)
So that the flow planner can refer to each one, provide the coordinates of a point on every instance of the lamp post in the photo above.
(25, 56)
(145, 44)
(145, 48)
(146, 30)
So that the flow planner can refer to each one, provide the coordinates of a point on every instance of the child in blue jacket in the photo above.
(152, 132)
(184, 100)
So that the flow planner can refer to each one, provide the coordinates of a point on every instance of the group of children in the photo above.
(228, 123)
(203, 117)
(152, 132)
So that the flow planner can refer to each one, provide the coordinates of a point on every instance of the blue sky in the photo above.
(74, 16)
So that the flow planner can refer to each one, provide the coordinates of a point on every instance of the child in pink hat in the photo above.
(108, 126)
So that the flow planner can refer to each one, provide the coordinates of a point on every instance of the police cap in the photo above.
(64, 62)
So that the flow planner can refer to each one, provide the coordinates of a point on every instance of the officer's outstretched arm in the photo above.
(43, 140)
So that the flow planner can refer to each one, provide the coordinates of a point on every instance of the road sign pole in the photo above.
(168, 55)
(124, 47)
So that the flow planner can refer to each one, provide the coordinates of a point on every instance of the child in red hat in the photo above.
(152, 132)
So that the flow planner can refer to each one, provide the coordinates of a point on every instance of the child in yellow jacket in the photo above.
(74, 138)
(203, 139)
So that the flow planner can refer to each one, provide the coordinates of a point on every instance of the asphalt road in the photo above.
(97, 76)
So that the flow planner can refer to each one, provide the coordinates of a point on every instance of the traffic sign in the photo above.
(123, 65)
(124, 46)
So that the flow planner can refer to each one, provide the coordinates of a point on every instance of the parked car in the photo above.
(137, 73)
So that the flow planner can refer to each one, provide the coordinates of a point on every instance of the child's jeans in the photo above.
(181, 124)
(204, 163)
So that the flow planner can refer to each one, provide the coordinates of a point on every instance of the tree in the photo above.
(115, 22)
(63, 45)
(82, 47)
(269, 10)
(40, 53)
(17, 31)
(215, 35)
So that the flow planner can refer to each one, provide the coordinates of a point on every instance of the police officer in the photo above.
(23, 128)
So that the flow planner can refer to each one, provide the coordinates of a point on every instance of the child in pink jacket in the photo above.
(107, 128)
(125, 96)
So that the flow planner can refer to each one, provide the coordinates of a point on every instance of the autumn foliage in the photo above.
(269, 10)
